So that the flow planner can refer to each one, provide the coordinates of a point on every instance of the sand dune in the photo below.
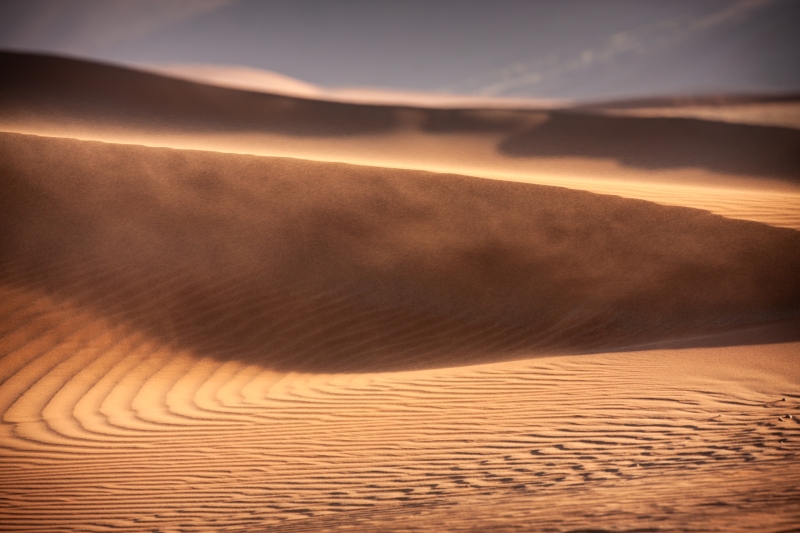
(665, 142)
(783, 112)
(442, 269)
(252, 79)
(238, 77)
(255, 312)
(63, 92)
(105, 428)
(68, 98)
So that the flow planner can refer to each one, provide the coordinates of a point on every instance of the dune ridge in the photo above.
(224, 310)
(679, 161)
(333, 265)
(779, 112)
(258, 80)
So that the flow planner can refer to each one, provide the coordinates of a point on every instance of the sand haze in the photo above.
(229, 309)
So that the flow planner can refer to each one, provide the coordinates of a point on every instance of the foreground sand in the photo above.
(108, 429)
(193, 340)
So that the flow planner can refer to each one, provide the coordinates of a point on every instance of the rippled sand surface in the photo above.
(106, 429)
(243, 312)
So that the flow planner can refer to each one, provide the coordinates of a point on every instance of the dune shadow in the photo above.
(63, 90)
(328, 267)
(663, 143)
(780, 332)
(478, 120)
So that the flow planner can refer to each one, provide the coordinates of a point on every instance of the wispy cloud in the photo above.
(90, 26)
(641, 41)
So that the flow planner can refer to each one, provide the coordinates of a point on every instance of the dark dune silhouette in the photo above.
(57, 91)
(705, 100)
(655, 143)
(63, 90)
(333, 267)
(478, 120)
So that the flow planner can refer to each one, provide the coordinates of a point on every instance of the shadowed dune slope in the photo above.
(664, 142)
(301, 265)
(59, 90)
(43, 93)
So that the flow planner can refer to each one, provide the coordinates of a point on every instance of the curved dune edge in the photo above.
(328, 267)
(258, 80)
(778, 113)
(194, 340)
(106, 429)
(675, 160)
(111, 421)
(768, 203)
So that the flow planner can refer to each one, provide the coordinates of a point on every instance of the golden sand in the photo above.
(249, 312)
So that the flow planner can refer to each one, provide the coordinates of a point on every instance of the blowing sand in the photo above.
(674, 160)
(248, 312)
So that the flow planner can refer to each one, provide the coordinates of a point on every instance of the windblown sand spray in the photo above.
(741, 167)
(193, 340)
(337, 265)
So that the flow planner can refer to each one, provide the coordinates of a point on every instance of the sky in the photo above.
(574, 49)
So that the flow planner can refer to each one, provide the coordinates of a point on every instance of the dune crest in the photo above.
(252, 79)
(339, 267)
(227, 310)
(61, 97)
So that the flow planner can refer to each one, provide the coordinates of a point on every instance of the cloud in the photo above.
(642, 40)
(83, 27)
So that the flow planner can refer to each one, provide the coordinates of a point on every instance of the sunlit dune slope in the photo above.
(252, 312)
(105, 428)
(323, 266)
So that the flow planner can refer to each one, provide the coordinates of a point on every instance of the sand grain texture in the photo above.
(346, 267)
(345, 326)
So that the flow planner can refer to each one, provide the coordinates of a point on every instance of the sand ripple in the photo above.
(104, 428)
(200, 341)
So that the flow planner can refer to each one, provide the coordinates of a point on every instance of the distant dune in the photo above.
(251, 79)
(227, 310)
(673, 161)
(647, 142)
